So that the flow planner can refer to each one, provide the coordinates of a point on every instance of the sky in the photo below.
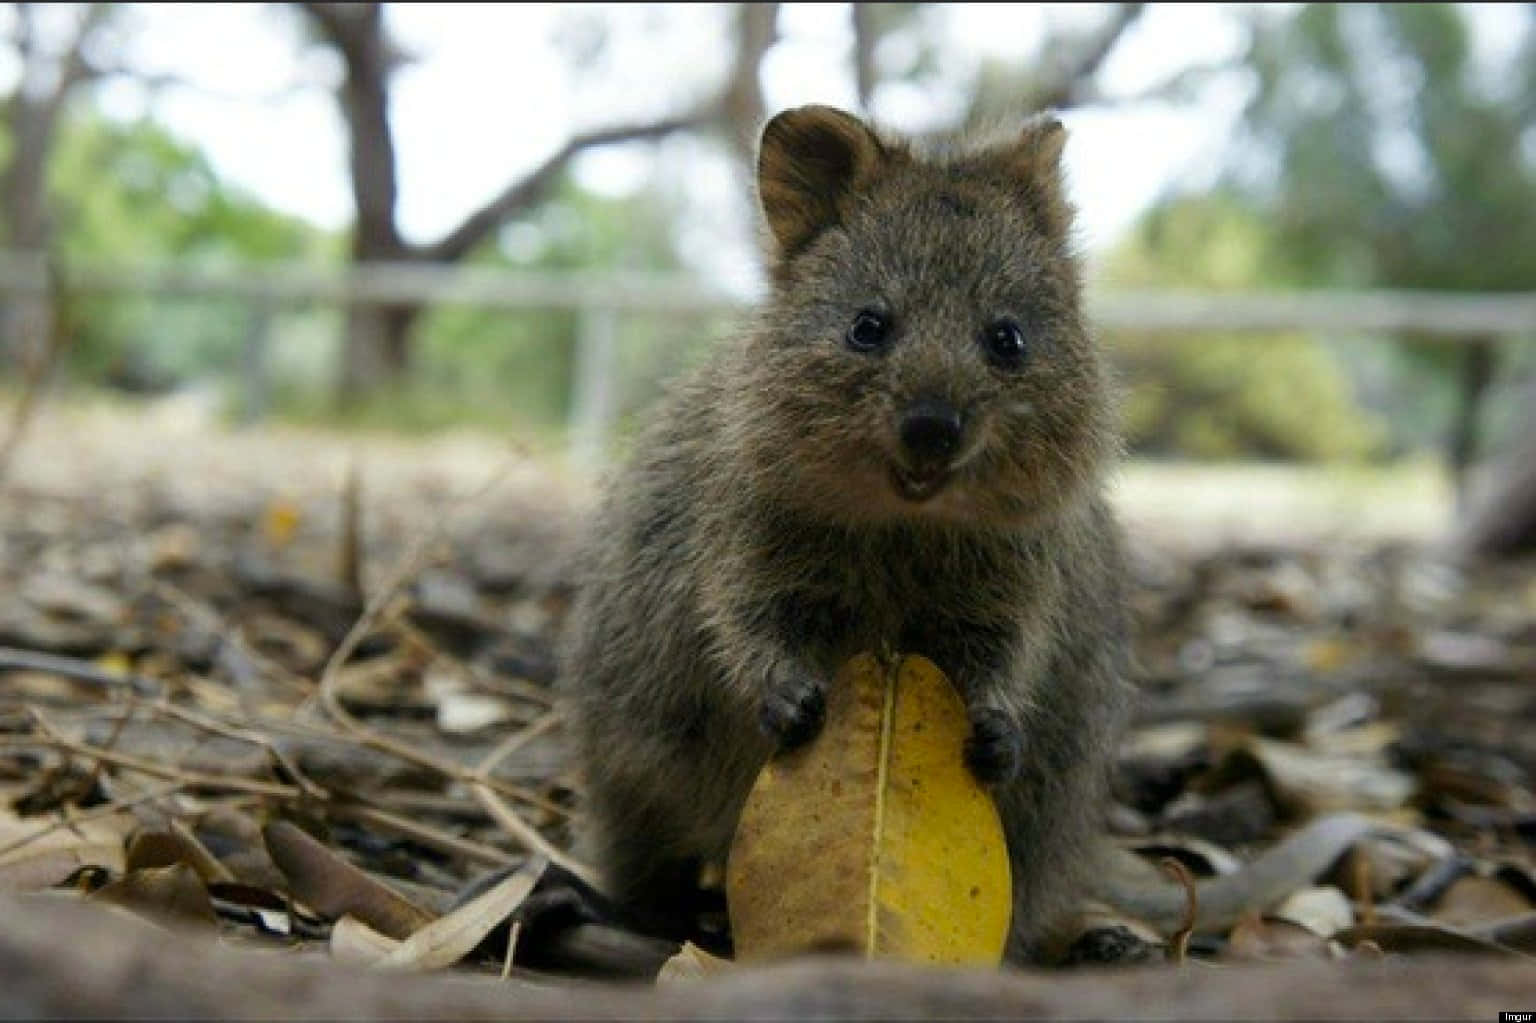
(492, 89)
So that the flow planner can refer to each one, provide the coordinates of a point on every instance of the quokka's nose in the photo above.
(930, 430)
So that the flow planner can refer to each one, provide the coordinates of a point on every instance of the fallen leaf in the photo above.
(172, 895)
(176, 845)
(1395, 937)
(690, 964)
(354, 943)
(46, 867)
(451, 937)
(333, 887)
(875, 838)
(1323, 910)
(280, 520)
(1310, 782)
(1132, 886)
(1256, 940)
(1479, 900)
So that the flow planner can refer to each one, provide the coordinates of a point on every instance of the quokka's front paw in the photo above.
(995, 748)
(793, 711)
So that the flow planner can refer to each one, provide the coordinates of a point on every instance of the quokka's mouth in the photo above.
(918, 485)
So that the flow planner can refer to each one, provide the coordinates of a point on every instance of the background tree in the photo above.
(53, 65)
(1381, 158)
(377, 346)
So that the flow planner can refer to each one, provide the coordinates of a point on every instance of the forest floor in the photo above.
(205, 630)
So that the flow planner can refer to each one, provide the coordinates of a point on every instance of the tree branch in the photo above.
(532, 187)
(741, 98)
(1176, 86)
(76, 67)
(865, 36)
(739, 103)
(1072, 77)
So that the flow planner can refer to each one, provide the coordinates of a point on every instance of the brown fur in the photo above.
(756, 539)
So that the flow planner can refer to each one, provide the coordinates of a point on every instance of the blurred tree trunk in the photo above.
(377, 349)
(757, 29)
(32, 113)
(1474, 374)
(866, 34)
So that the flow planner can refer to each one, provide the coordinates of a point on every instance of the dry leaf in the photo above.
(1259, 940)
(1324, 910)
(354, 943)
(333, 887)
(280, 520)
(1395, 937)
(1479, 900)
(1317, 783)
(875, 838)
(690, 964)
(46, 867)
(176, 845)
(450, 938)
(172, 895)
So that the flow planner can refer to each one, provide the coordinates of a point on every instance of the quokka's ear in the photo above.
(1037, 151)
(811, 161)
(1033, 159)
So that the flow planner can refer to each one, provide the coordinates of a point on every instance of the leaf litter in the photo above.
(320, 718)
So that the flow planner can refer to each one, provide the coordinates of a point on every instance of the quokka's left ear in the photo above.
(1038, 149)
(1033, 159)
(811, 161)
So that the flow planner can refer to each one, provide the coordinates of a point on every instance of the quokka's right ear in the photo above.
(811, 161)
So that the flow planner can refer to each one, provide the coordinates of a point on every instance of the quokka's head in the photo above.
(923, 355)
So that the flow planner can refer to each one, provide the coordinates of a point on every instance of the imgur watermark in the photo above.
(1517, 1017)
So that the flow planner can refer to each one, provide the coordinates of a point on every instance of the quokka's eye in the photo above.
(1005, 344)
(868, 331)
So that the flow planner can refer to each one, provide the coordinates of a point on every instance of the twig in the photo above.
(116, 734)
(12, 659)
(1178, 944)
(515, 687)
(207, 724)
(506, 963)
(526, 834)
(326, 693)
(229, 634)
(479, 852)
(185, 779)
(516, 741)
(105, 810)
(350, 567)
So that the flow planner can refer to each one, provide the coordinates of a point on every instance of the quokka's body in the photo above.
(903, 454)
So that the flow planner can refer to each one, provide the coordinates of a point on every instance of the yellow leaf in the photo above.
(115, 663)
(875, 838)
(280, 521)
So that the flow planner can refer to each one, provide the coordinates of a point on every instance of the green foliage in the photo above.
(489, 361)
(1390, 165)
(1224, 396)
(1384, 156)
(132, 193)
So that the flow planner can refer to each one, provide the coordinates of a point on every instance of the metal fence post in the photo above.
(253, 359)
(592, 386)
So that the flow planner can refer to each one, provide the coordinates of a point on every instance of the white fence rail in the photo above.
(599, 299)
